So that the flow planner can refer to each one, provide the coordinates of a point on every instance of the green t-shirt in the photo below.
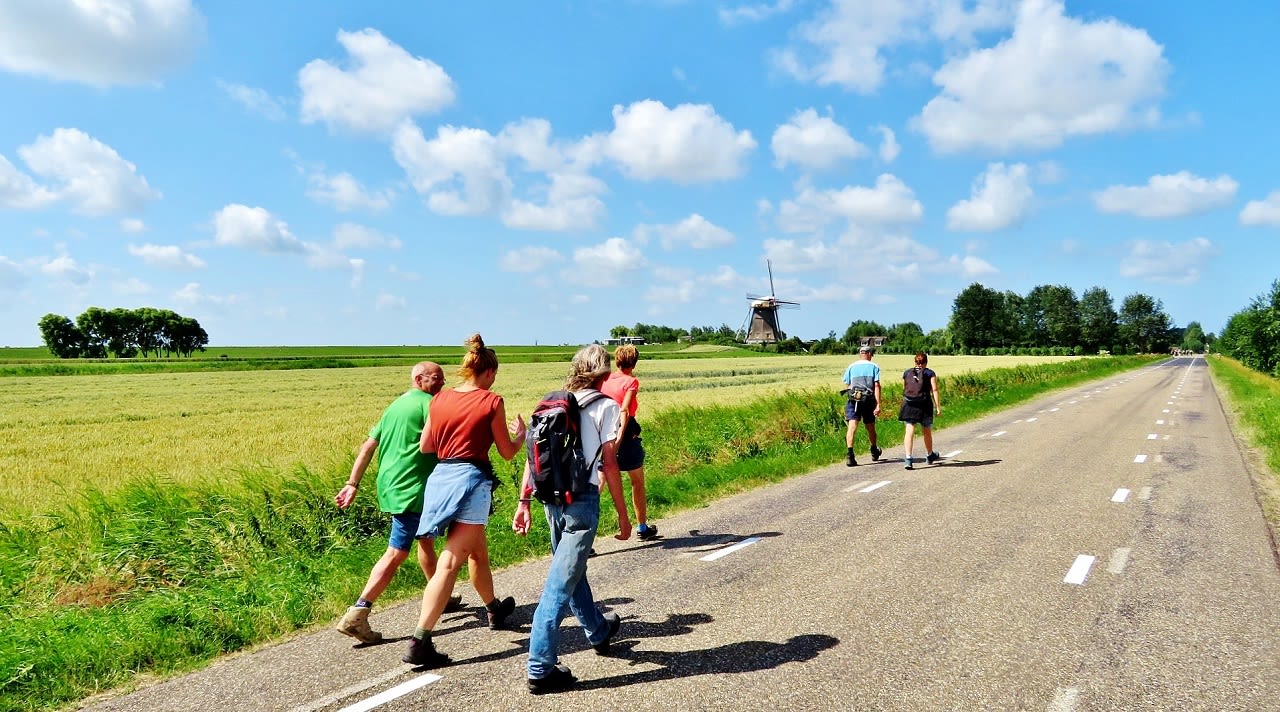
(402, 468)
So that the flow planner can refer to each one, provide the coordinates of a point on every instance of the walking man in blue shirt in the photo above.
(862, 388)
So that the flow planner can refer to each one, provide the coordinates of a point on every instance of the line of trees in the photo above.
(1252, 335)
(123, 333)
(1052, 316)
(657, 334)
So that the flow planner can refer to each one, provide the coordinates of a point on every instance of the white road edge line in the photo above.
(1080, 569)
(386, 696)
(953, 453)
(1120, 496)
(1065, 700)
(856, 485)
(1119, 558)
(996, 435)
(1140, 458)
(875, 487)
(730, 549)
(350, 691)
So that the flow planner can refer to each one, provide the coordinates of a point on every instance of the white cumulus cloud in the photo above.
(254, 229)
(688, 144)
(1262, 212)
(84, 172)
(1056, 77)
(604, 264)
(890, 202)
(383, 86)
(352, 235)
(757, 12)
(813, 142)
(64, 268)
(345, 193)
(1168, 262)
(19, 191)
(1001, 197)
(98, 42)
(460, 172)
(167, 256)
(694, 231)
(1168, 196)
(889, 148)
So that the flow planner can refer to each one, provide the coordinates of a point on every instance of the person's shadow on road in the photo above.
(694, 540)
(745, 656)
(964, 463)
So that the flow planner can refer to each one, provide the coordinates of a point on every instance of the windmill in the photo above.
(762, 322)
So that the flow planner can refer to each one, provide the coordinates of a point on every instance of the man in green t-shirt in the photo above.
(402, 476)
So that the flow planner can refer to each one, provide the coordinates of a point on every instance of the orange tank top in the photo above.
(462, 423)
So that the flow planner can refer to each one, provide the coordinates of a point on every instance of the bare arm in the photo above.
(347, 494)
(522, 520)
(507, 437)
(876, 387)
(627, 399)
(937, 400)
(427, 441)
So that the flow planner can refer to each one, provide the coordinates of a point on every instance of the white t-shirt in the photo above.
(598, 422)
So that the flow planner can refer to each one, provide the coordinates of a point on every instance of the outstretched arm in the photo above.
(507, 437)
(347, 494)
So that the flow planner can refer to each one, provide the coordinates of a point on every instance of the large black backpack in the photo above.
(554, 446)
(915, 385)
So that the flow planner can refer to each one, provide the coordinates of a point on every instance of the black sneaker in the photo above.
(558, 680)
(849, 461)
(614, 621)
(423, 653)
(909, 465)
(646, 532)
(455, 604)
(875, 453)
(933, 457)
(498, 616)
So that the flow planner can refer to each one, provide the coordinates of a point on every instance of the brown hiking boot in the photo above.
(355, 623)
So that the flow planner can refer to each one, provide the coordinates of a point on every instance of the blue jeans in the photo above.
(573, 530)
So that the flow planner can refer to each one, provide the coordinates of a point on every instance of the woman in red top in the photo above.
(623, 387)
(463, 424)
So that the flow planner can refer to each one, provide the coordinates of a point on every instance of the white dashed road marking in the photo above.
(730, 549)
(1065, 700)
(953, 453)
(1152, 436)
(1121, 495)
(1080, 569)
(857, 485)
(875, 487)
(1119, 558)
(350, 691)
(998, 434)
(1140, 458)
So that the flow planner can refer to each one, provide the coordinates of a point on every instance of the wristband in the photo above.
(525, 500)
(353, 485)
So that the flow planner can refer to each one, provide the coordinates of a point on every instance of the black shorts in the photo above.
(864, 410)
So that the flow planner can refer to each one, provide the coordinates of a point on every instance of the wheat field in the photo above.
(62, 435)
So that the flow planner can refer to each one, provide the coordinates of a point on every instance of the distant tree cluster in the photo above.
(123, 333)
(653, 333)
(1050, 316)
(1252, 336)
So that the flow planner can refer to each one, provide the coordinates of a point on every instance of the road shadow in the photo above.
(693, 540)
(744, 656)
(962, 463)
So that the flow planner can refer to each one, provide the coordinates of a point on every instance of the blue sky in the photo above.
(315, 172)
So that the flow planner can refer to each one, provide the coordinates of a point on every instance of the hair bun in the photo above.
(474, 343)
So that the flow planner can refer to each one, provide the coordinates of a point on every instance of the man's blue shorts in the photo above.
(404, 527)
(864, 410)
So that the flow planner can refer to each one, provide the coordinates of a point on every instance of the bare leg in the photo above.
(481, 576)
(639, 499)
(463, 540)
(871, 433)
(909, 434)
(850, 432)
(382, 573)
(928, 441)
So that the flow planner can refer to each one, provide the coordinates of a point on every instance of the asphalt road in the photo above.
(1100, 549)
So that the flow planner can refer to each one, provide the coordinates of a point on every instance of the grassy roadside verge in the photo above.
(1254, 403)
(158, 578)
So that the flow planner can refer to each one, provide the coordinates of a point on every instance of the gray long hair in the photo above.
(589, 366)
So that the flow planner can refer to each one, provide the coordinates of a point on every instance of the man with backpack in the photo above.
(572, 448)
(862, 391)
(920, 402)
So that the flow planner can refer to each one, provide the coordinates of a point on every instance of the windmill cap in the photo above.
(865, 350)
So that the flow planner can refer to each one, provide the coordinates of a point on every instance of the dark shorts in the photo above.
(631, 454)
(917, 414)
(864, 410)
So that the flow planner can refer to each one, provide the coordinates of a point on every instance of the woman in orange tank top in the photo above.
(464, 423)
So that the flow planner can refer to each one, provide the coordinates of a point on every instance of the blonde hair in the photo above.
(588, 367)
(626, 355)
(477, 360)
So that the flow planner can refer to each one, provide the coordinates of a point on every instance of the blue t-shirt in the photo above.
(862, 374)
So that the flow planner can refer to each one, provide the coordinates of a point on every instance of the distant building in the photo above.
(874, 342)
(633, 340)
